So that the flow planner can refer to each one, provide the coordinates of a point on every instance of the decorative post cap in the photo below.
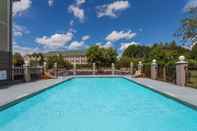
(182, 58)
(140, 62)
(55, 64)
(26, 62)
(154, 61)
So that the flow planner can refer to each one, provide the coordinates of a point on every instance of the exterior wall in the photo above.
(76, 59)
(5, 39)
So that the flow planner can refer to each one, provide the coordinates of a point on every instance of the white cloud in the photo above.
(115, 35)
(50, 3)
(112, 9)
(80, 2)
(126, 45)
(86, 37)
(19, 30)
(190, 5)
(106, 45)
(75, 45)
(21, 6)
(25, 50)
(56, 40)
(77, 11)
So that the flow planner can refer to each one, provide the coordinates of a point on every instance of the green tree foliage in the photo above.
(36, 59)
(188, 30)
(164, 53)
(137, 52)
(124, 62)
(18, 59)
(194, 52)
(101, 56)
(61, 63)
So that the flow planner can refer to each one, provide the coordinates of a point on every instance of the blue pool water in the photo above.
(98, 104)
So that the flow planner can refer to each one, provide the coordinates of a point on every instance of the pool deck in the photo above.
(19, 91)
(186, 95)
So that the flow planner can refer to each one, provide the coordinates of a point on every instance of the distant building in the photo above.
(78, 57)
(5, 40)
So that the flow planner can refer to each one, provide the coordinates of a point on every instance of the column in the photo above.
(131, 68)
(113, 68)
(154, 70)
(74, 68)
(140, 66)
(181, 67)
(94, 69)
(27, 73)
(55, 69)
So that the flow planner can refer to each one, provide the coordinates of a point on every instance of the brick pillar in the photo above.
(27, 73)
(131, 68)
(113, 68)
(181, 67)
(154, 70)
(140, 66)
(94, 69)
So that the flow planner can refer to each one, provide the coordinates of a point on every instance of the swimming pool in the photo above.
(98, 104)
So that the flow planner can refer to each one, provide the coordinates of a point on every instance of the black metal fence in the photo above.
(171, 73)
(191, 77)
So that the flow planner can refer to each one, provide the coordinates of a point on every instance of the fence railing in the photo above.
(166, 73)
(191, 77)
(18, 73)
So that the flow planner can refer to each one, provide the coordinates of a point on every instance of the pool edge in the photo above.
(168, 95)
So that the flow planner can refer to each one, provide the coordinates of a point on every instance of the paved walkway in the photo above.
(16, 92)
(185, 94)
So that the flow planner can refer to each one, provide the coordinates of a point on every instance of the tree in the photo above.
(36, 59)
(188, 30)
(101, 56)
(18, 59)
(194, 52)
(61, 63)
(124, 62)
(137, 51)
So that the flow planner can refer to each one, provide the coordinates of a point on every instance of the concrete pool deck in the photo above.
(16, 92)
(187, 95)
(20, 91)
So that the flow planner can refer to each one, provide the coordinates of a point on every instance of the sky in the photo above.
(61, 25)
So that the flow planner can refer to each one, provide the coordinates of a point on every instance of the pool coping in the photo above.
(168, 94)
(25, 96)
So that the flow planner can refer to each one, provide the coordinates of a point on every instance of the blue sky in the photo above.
(47, 25)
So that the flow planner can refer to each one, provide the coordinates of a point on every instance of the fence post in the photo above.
(140, 66)
(74, 68)
(45, 66)
(131, 68)
(113, 68)
(55, 67)
(13, 72)
(94, 69)
(154, 69)
(181, 67)
(27, 73)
